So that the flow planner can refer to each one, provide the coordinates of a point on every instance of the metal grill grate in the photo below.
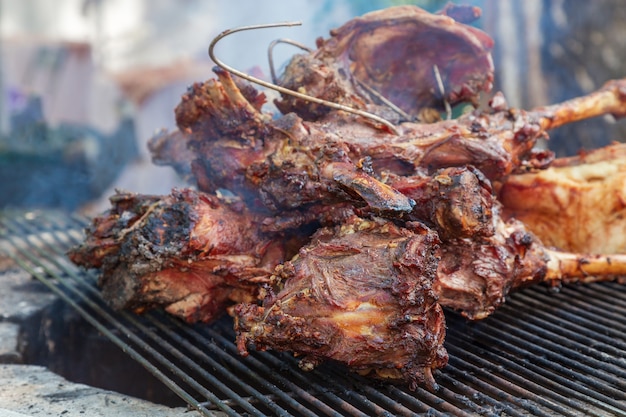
(543, 353)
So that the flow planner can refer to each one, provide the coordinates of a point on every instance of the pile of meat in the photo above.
(329, 235)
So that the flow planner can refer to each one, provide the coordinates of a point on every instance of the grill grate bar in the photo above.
(549, 375)
(104, 330)
(567, 361)
(541, 354)
(486, 393)
(225, 344)
(336, 389)
(224, 372)
(426, 396)
(604, 293)
(600, 360)
(285, 363)
(213, 379)
(605, 348)
(598, 316)
(324, 383)
(613, 313)
(500, 372)
(115, 323)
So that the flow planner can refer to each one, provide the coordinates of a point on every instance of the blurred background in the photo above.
(85, 83)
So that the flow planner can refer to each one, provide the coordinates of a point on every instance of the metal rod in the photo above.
(385, 101)
(537, 368)
(505, 379)
(270, 54)
(284, 90)
(312, 378)
(214, 364)
(39, 274)
(581, 330)
(565, 350)
(442, 91)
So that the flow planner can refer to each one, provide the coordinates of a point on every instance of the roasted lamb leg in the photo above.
(270, 164)
(368, 293)
(359, 294)
(475, 275)
(286, 163)
(194, 255)
(186, 252)
(456, 202)
(578, 204)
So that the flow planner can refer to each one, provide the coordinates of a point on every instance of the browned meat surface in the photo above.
(273, 165)
(354, 66)
(187, 253)
(287, 163)
(577, 205)
(333, 237)
(368, 293)
(476, 274)
(359, 294)
(456, 202)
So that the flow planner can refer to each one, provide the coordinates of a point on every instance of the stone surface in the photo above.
(35, 391)
(8, 413)
(9, 350)
(21, 296)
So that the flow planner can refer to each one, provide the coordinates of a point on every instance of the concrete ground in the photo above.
(34, 391)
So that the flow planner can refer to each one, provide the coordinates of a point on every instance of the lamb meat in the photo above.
(270, 164)
(195, 255)
(369, 293)
(186, 252)
(353, 66)
(286, 163)
(407, 223)
(456, 202)
(475, 275)
(577, 205)
(359, 294)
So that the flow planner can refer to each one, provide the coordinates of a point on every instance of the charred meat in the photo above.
(433, 59)
(186, 252)
(359, 294)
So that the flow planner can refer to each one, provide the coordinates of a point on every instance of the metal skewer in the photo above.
(283, 90)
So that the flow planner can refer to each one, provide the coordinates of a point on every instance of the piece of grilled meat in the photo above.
(287, 164)
(359, 293)
(194, 255)
(433, 59)
(186, 252)
(576, 205)
(368, 293)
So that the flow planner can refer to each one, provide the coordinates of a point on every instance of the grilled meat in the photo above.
(577, 205)
(456, 202)
(368, 293)
(186, 252)
(352, 67)
(284, 164)
(194, 255)
(329, 235)
(272, 165)
(359, 294)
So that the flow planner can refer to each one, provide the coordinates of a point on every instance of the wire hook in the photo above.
(284, 90)
(270, 53)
